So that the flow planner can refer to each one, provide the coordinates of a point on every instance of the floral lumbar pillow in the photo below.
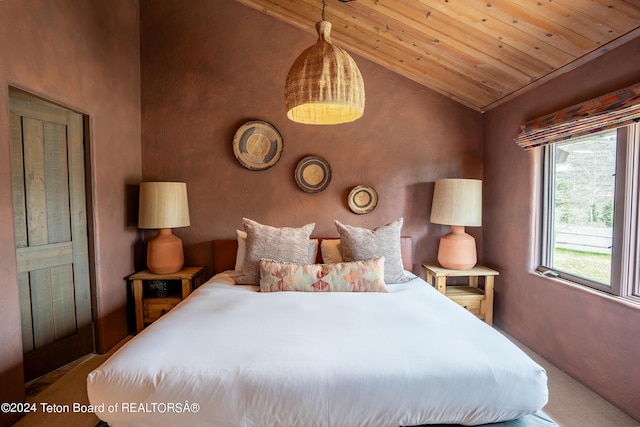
(357, 276)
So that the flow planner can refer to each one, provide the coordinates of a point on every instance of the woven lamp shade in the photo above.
(457, 202)
(324, 85)
(163, 205)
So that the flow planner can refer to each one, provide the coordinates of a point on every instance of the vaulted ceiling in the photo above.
(478, 52)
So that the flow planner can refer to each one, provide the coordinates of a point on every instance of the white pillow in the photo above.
(242, 250)
(313, 250)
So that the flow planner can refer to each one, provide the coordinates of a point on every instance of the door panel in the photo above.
(56, 178)
(47, 154)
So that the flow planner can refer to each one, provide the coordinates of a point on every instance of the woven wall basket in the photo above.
(324, 85)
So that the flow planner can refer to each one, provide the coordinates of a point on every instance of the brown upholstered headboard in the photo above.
(224, 254)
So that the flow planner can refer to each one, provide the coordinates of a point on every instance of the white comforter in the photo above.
(231, 356)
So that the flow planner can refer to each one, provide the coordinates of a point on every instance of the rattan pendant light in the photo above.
(324, 85)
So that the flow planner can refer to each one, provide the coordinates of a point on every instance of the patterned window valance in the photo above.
(606, 112)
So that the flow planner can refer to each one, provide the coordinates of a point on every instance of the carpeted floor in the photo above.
(570, 403)
(67, 389)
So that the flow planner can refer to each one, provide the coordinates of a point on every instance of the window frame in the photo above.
(631, 257)
(625, 257)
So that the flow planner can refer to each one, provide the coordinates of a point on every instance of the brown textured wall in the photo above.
(593, 337)
(83, 55)
(208, 68)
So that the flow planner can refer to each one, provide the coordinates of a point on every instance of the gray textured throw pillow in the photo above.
(279, 244)
(360, 244)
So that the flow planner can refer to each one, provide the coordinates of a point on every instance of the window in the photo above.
(589, 210)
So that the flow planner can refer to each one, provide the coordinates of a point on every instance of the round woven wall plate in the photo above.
(257, 145)
(313, 174)
(362, 199)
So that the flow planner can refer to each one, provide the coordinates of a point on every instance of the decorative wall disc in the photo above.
(313, 174)
(257, 145)
(362, 199)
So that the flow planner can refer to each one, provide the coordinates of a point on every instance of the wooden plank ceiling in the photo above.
(478, 52)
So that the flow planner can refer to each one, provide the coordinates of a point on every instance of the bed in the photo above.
(231, 355)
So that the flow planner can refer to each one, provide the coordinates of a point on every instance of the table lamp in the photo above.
(458, 203)
(163, 206)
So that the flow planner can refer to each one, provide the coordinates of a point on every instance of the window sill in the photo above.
(629, 301)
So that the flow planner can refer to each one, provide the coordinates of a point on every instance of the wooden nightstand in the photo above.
(149, 305)
(471, 297)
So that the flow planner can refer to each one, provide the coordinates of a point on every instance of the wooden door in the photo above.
(47, 161)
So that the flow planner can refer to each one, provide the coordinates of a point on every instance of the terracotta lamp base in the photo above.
(457, 250)
(164, 253)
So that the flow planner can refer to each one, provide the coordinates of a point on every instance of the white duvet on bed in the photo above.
(231, 356)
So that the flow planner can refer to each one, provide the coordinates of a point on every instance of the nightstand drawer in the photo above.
(470, 305)
(153, 308)
(466, 296)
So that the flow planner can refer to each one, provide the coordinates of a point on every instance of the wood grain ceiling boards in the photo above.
(478, 52)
